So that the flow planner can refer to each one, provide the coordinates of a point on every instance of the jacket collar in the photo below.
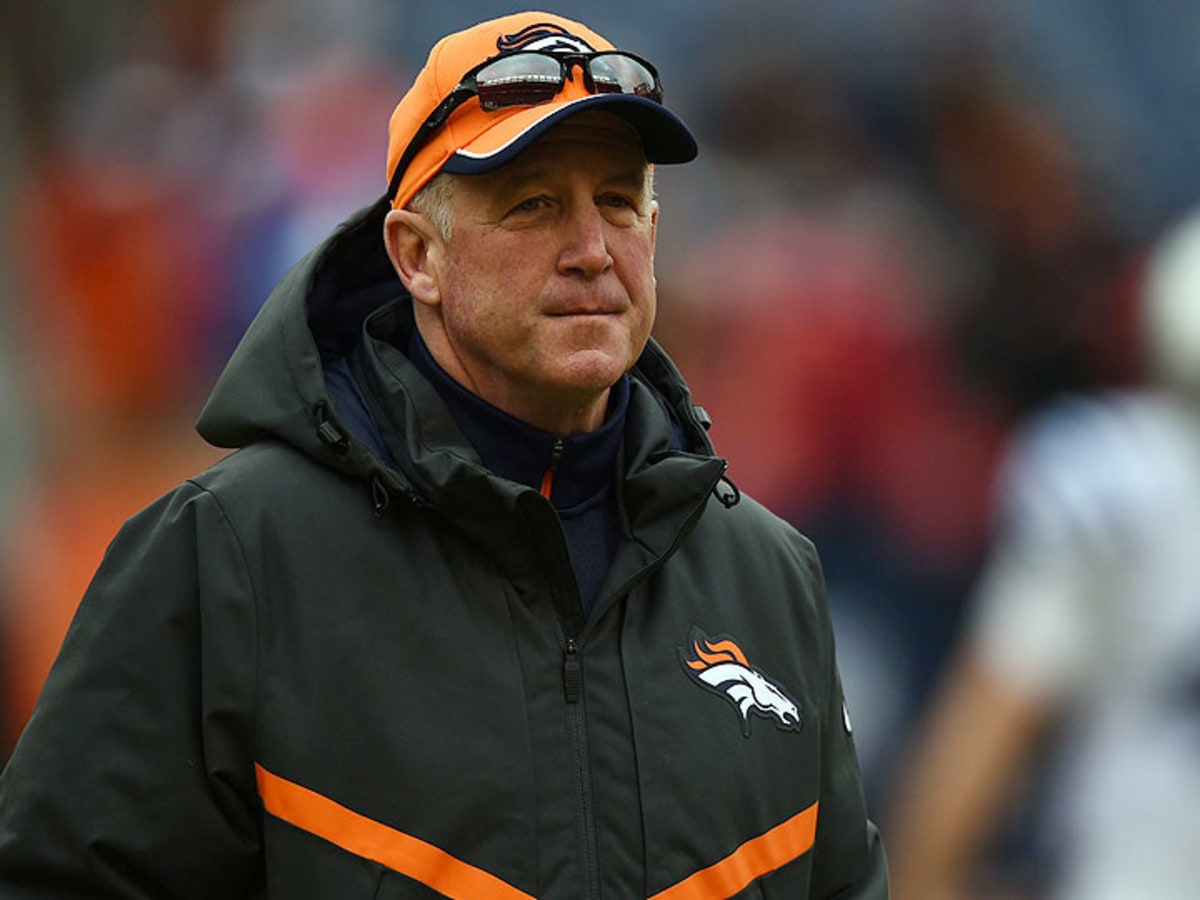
(583, 464)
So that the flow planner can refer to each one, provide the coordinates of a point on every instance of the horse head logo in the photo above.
(721, 666)
(544, 36)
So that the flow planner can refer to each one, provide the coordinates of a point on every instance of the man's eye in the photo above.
(531, 205)
(617, 201)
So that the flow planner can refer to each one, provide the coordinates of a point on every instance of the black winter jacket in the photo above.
(310, 673)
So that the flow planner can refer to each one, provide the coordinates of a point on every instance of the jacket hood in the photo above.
(274, 384)
(277, 383)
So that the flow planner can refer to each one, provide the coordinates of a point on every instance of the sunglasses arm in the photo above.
(456, 98)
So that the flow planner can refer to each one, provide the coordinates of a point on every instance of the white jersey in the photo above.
(1092, 600)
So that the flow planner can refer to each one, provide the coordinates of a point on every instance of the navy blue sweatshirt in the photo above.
(576, 472)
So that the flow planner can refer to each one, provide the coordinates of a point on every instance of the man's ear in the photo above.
(414, 245)
(653, 226)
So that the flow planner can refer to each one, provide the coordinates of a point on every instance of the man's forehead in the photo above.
(604, 144)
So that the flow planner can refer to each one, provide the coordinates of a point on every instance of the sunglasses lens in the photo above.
(524, 79)
(617, 73)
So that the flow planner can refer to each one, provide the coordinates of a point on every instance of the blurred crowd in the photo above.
(913, 226)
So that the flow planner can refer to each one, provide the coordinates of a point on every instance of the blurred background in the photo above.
(912, 225)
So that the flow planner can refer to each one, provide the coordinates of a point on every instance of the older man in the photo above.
(473, 611)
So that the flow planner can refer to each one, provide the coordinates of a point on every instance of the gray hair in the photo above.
(433, 202)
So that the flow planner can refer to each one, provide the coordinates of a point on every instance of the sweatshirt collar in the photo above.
(582, 465)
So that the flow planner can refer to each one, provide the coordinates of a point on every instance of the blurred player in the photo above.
(1086, 629)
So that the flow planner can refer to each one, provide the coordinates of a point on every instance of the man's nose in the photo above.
(584, 242)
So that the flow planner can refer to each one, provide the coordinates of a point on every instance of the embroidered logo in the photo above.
(544, 36)
(721, 666)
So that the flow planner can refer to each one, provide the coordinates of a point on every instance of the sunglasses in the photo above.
(530, 78)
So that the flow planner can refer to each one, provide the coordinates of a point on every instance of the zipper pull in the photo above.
(572, 672)
(548, 477)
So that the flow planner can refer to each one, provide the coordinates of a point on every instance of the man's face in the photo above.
(545, 290)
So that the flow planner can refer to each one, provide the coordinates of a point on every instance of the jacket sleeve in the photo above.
(849, 862)
(134, 777)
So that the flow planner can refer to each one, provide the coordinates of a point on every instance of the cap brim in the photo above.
(665, 138)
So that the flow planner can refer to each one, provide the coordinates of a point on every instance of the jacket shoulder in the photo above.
(754, 527)
(275, 474)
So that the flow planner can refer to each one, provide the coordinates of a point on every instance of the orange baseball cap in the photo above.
(474, 140)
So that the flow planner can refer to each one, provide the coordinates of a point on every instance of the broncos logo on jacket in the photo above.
(721, 666)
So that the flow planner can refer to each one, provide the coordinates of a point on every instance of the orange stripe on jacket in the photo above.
(753, 859)
(373, 840)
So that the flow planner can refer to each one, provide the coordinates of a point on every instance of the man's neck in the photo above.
(523, 452)
(561, 414)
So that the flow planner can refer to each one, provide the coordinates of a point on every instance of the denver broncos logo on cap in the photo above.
(721, 666)
(543, 36)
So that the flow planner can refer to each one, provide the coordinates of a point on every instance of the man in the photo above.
(1083, 642)
(472, 612)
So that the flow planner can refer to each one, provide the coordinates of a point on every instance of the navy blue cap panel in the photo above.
(665, 138)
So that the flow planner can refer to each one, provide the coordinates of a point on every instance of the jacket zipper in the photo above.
(570, 621)
(548, 475)
(572, 672)
(573, 689)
